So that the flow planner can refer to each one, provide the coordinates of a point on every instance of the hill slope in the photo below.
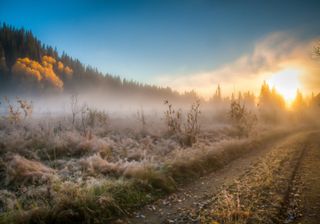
(29, 67)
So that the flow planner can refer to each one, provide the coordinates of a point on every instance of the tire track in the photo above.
(284, 209)
(303, 199)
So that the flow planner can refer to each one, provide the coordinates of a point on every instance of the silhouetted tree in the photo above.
(271, 104)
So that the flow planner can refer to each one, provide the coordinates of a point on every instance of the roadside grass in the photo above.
(192, 164)
(71, 203)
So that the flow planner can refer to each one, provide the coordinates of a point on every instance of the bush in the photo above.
(192, 126)
(173, 119)
(97, 118)
(241, 119)
(20, 109)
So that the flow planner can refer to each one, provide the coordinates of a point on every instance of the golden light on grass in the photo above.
(286, 82)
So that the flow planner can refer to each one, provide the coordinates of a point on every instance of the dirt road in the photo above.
(262, 186)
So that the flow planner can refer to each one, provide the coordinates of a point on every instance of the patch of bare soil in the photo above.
(248, 190)
(304, 198)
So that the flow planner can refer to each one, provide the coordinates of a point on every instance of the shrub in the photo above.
(242, 119)
(97, 118)
(89, 118)
(192, 126)
(19, 110)
(173, 119)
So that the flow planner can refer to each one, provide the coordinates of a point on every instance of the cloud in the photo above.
(272, 54)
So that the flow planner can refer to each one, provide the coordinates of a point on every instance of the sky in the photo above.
(190, 44)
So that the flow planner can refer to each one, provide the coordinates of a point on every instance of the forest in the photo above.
(29, 67)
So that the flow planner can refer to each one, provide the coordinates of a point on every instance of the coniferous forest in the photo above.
(30, 67)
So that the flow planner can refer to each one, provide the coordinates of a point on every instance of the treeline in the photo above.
(269, 105)
(28, 66)
(23, 66)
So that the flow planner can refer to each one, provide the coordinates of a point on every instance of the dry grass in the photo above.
(57, 173)
(102, 186)
(95, 164)
(73, 203)
(20, 170)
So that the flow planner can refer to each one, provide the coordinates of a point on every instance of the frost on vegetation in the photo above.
(18, 110)
(97, 165)
(48, 159)
(8, 200)
(20, 170)
(186, 130)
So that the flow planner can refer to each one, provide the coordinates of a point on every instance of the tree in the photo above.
(217, 97)
(299, 102)
(20, 43)
(271, 104)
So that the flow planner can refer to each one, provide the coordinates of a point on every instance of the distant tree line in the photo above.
(20, 43)
(22, 52)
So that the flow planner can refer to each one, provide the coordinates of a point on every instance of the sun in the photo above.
(286, 82)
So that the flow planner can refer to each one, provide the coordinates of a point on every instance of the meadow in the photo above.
(88, 165)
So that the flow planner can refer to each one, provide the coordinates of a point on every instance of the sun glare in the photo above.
(286, 83)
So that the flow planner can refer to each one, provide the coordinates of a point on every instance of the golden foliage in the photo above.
(25, 65)
(68, 70)
(64, 69)
(60, 66)
(48, 59)
(41, 72)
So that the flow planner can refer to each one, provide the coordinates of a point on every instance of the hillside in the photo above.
(27, 66)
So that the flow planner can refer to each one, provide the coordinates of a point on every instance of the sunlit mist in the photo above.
(286, 82)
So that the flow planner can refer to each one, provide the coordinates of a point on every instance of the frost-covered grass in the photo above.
(53, 170)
